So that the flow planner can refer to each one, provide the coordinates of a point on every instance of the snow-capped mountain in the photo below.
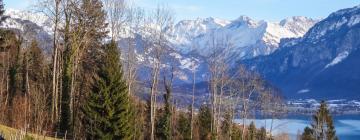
(187, 30)
(322, 64)
(246, 37)
(37, 18)
(301, 56)
(32, 26)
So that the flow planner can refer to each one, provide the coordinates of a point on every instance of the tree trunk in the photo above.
(54, 112)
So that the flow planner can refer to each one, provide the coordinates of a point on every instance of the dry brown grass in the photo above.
(13, 134)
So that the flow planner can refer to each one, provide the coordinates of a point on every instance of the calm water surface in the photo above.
(347, 126)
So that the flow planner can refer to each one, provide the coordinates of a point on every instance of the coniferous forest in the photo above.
(86, 84)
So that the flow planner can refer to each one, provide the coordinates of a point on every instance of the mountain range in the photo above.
(303, 57)
(323, 64)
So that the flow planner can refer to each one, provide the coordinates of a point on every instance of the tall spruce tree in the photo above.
(322, 126)
(108, 109)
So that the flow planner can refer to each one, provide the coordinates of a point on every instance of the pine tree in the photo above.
(107, 109)
(261, 135)
(251, 135)
(307, 134)
(322, 126)
(205, 118)
(330, 133)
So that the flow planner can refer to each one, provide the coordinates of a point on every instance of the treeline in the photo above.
(85, 91)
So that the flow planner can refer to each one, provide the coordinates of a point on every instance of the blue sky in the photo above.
(271, 10)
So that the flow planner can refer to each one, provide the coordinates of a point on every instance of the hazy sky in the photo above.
(272, 10)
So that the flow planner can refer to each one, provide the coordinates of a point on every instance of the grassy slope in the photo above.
(11, 133)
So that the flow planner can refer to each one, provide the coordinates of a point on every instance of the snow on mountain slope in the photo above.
(345, 18)
(243, 37)
(248, 37)
(37, 18)
(340, 57)
(298, 25)
(187, 30)
(32, 26)
(325, 60)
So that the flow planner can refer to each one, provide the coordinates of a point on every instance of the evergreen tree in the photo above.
(204, 119)
(183, 126)
(251, 135)
(331, 132)
(147, 119)
(83, 33)
(163, 130)
(236, 132)
(226, 125)
(35, 86)
(12, 43)
(307, 134)
(322, 126)
(261, 135)
(107, 109)
(65, 116)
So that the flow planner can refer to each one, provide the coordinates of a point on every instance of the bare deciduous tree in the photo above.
(247, 85)
(219, 76)
(160, 25)
(272, 107)
(53, 10)
(135, 21)
(117, 16)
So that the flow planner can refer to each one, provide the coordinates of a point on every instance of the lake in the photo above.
(347, 126)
